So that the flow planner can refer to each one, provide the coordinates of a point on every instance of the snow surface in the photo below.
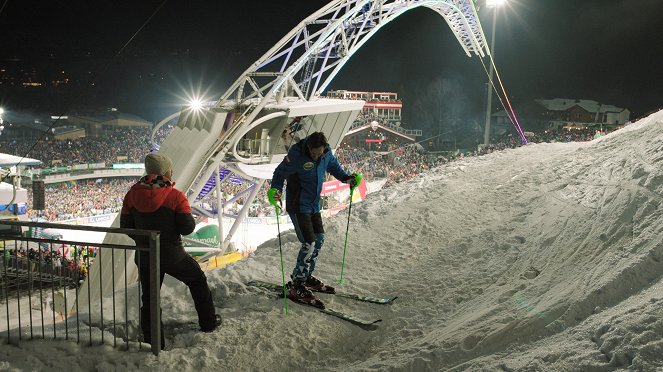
(545, 257)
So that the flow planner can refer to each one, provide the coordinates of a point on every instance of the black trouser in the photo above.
(189, 272)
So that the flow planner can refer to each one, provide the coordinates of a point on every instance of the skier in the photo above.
(304, 168)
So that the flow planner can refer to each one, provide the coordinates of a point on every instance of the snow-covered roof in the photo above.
(7, 160)
(32, 125)
(63, 130)
(563, 104)
(113, 115)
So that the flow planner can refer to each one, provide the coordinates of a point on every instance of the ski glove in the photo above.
(353, 180)
(274, 197)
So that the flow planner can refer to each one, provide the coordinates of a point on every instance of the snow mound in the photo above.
(545, 257)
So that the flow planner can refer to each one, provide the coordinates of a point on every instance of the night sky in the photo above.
(605, 50)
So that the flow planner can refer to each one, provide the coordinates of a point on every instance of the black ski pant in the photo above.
(189, 272)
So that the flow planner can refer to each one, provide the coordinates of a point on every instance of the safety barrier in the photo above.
(41, 280)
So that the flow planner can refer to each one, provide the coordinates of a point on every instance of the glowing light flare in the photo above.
(495, 3)
(196, 104)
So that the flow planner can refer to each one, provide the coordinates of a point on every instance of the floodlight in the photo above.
(2, 111)
(495, 3)
(195, 104)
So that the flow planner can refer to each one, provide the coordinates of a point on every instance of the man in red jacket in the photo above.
(154, 204)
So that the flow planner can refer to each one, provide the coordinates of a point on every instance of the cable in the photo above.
(506, 96)
(104, 70)
(3, 6)
(510, 115)
(140, 29)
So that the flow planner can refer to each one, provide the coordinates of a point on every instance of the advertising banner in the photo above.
(335, 185)
(208, 235)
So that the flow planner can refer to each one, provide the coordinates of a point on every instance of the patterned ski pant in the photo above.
(312, 235)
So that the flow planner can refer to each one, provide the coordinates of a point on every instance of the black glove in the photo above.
(274, 197)
(353, 180)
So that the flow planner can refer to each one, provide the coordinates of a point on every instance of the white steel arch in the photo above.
(215, 144)
(312, 53)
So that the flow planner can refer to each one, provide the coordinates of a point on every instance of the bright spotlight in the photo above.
(196, 104)
(2, 111)
(495, 3)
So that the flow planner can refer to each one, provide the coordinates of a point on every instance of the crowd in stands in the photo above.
(512, 141)
(50, 261)
(119, 145)
(397, 164)
(576, 135)
(70, 200)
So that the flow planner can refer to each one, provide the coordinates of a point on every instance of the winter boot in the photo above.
(217, 323)
(316, 285)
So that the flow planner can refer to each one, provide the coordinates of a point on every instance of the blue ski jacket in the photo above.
(305, 177)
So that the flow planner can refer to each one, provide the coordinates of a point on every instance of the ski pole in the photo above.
(358, 178)
(278, 229)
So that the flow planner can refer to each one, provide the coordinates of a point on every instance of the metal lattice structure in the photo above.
(241, 136)
(308, 58)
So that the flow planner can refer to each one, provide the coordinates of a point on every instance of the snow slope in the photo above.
(545, 257)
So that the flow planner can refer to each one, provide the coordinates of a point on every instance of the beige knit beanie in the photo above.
(157, 164)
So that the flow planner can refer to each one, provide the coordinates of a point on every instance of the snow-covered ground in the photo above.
(546, 257)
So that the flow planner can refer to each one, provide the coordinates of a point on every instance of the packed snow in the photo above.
(544, 257)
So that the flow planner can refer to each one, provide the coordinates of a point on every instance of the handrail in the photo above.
(29, 268)
(48, 225)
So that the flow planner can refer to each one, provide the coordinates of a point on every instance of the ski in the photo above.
(372, 299)
(361, 323)
(368, 325)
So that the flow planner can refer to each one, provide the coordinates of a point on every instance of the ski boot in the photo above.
(316, 285)
(298, 292)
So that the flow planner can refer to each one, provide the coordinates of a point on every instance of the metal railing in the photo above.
(37, 272)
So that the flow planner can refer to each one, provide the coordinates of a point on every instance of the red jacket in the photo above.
(154, 204)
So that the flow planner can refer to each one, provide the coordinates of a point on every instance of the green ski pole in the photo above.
(347, 228)
(278, 229)
(272, 194)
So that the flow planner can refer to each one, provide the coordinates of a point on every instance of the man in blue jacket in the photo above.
(305, 168)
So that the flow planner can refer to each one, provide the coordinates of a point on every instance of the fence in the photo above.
(42, 275)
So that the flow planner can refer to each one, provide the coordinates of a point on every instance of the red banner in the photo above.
(332, 186)
(336, 185)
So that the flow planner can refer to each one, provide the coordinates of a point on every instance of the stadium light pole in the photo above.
(2, 122)
(494, 4)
